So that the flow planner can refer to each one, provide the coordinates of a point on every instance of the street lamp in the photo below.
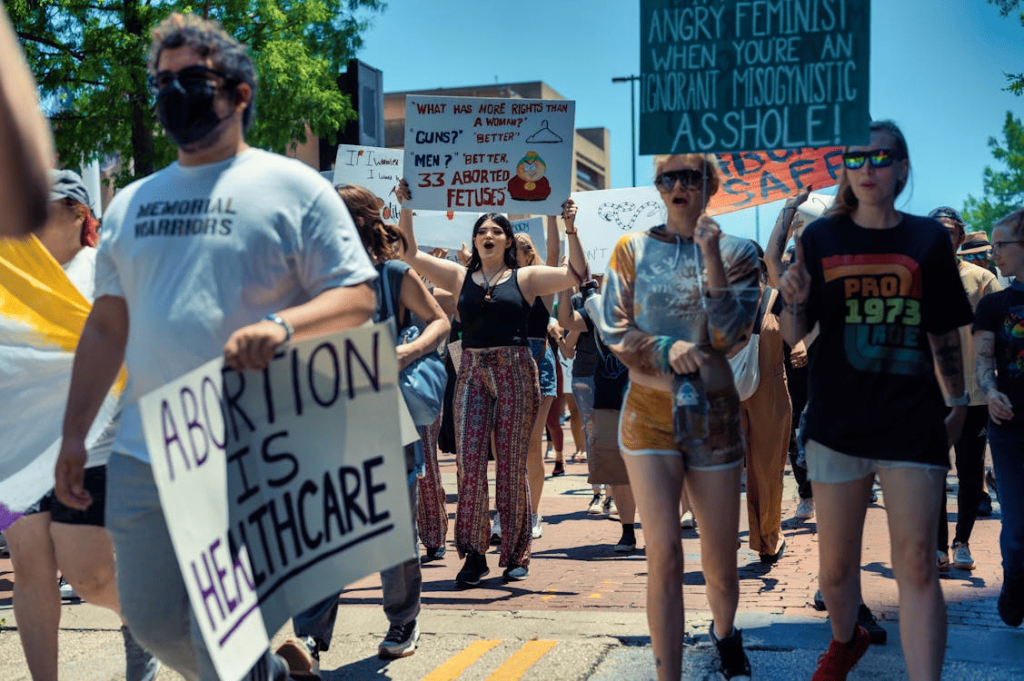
(632, 117)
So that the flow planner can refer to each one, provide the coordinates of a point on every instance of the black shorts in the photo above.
(95, 483)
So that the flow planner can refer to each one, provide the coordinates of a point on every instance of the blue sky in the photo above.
(936, 68)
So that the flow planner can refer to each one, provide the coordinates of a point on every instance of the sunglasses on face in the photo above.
(189, 79)
(879, 158)
(970, 257)
(688, 178)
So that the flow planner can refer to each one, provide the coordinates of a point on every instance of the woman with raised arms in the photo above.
(497, 389)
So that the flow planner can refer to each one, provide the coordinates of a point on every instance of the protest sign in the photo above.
(753, 178)
(605, 215)
(374, 168)
(448, 229)
(280, 486)
(727, 76)
(489, 155)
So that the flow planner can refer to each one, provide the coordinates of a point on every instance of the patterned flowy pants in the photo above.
(432, 515)
(497, 391)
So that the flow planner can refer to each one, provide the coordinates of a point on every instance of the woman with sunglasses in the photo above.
(1000, 346)
(497, 389)
(883, 287)
(676, 299)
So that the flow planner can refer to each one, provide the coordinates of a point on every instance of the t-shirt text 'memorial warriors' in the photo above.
(192, 217)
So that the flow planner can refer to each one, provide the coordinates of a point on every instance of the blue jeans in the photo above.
(1007, 446)
(583, 394)
(401, 584)
(154, 601)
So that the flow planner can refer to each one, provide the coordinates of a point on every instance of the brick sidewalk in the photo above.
(573, 566)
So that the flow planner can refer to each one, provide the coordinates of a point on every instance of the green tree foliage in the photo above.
(1006, 7)
(89, 57)
(1004, 189)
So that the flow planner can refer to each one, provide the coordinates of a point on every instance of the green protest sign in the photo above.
(728, 76)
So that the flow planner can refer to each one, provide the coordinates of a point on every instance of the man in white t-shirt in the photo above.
(229, 251)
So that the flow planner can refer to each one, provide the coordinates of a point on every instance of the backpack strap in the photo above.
(762, 309)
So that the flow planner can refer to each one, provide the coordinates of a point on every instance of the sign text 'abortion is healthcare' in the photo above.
(728, 75)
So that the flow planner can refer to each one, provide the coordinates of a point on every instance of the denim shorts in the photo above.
(545, 367)
(825, 464)
(646, 428)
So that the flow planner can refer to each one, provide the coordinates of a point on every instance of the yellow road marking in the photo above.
(453, 668)
(524, 658)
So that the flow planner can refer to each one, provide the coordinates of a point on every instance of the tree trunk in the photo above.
(142, 134)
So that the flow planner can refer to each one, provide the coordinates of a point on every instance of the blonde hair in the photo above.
(526, 240)
(1017, 218)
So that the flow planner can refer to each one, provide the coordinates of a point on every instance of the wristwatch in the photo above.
(962, 401)
(280, 321)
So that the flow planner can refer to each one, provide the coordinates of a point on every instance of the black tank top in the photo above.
(537, 324)
(499, 322)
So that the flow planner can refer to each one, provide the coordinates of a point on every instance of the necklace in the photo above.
(489, 286)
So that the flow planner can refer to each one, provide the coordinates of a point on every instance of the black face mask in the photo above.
(187, 114)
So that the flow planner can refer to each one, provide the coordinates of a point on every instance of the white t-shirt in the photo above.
(199, 252)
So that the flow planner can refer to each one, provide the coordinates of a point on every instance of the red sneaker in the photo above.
(840, 658)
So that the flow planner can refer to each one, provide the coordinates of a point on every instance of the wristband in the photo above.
(280, 321)
(568, 233)
(962, 401)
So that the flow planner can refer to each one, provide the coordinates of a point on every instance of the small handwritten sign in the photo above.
(374, 168)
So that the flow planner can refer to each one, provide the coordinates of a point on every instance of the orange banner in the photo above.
(756, 177)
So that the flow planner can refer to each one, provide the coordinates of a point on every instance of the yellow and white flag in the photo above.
(42, 314)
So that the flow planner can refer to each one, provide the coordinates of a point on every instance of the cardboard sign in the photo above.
(448, 229)
(753, 178)
(374, 168)
(725, 76)
(489, 155)
(280, 486)
(604, 216)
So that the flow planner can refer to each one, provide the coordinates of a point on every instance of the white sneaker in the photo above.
(496, 530)
(962, 558)
(804, 509)
(67, 592)
(537, 530)
(688, 522)
(596, 507)
(942, 560)
(609, 507)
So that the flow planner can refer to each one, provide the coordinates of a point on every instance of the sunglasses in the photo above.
(974, 256)
(689, 178)
(879, 158)
(190, 79)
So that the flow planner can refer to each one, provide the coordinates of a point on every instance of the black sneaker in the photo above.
(867, 620)
(985, 506)
(733, 662)
(1011, 601)
(474, 569)
(515, 573)
(400, 641)
(433, 554)
(559, 469)
(819, 602)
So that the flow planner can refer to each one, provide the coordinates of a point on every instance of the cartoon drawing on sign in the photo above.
(544, 135)
(529, 183)
(626, 214)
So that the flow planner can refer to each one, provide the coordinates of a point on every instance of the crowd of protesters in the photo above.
(696, 361)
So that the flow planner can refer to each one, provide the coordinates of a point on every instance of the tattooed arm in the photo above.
(948, 359)
(999, 406)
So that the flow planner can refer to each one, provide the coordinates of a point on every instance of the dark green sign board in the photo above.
(730, 75)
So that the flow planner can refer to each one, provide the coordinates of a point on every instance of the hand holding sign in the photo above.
(253, 346)
(796, 282)
(707, 235)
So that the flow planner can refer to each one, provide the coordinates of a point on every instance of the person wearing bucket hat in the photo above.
(975, 248)
(970, 447)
